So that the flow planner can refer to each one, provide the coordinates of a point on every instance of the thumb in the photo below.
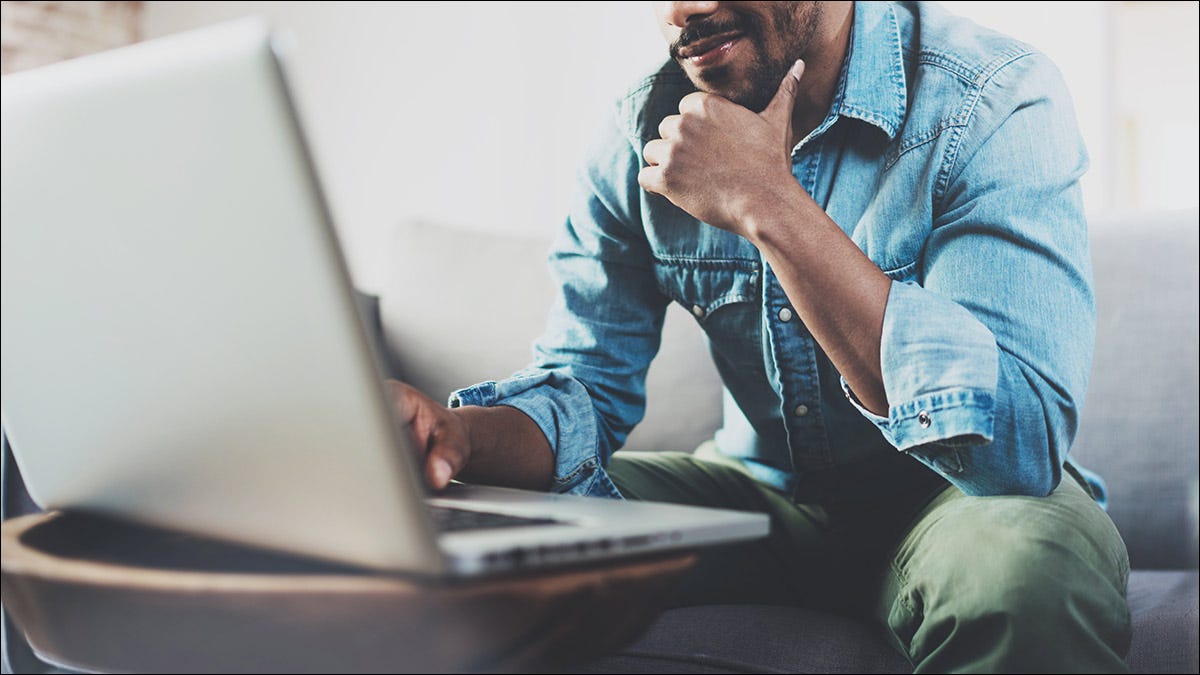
(779, 111)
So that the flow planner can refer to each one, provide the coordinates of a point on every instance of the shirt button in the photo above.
(698, 311)
(801, 410)
(924, 420)
(785, 315)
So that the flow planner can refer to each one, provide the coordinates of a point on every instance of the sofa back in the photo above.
(1139, 424)
(465, 306)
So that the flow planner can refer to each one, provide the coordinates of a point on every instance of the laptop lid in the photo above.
(181, 387)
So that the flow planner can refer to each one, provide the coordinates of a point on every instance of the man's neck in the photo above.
(822, 67)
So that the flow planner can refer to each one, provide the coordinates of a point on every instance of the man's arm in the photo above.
(731, 168)
(979, 371)
(495, 446)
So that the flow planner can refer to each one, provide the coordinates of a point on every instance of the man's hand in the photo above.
(717, 160)
(495, 446)
(441, 438)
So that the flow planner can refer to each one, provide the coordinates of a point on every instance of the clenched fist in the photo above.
(717, 160)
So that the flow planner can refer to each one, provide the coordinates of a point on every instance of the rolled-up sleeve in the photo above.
(586, 386)
(985, 357)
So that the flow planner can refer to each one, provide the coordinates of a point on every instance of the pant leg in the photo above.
(777, 570)
(1010, 584)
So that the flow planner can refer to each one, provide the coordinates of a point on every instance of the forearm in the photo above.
(833, 286)
(507, 448)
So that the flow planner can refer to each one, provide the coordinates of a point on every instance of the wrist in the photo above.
(505, 447)
(467, 417)
(774, 214)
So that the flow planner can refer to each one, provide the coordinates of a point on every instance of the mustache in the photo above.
(694, 32)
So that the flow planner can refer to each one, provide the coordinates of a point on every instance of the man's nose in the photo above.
(679, 13)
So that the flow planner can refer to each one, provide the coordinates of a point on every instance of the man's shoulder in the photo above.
(935, 38)
(953, 63)
(652, 97)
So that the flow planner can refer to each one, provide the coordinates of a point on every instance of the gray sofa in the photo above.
(464, 306)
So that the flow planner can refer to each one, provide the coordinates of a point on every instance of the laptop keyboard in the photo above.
(448, 519)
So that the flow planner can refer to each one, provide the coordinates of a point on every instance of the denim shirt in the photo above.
(951, 156)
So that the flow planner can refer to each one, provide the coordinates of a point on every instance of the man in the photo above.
(873, 211)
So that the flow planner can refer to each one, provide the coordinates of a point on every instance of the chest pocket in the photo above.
(724, 296)
(704, 287)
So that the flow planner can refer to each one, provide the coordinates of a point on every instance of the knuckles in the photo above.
(699, 103)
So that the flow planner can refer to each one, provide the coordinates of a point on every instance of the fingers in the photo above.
(700, 103)
(405, 399)
(445, 452)
(669, 127)
(779, 110)
(655, 152)
(650, 178)
(438, 436)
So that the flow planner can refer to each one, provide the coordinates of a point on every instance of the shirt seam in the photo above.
(967, 113)
(737, 264)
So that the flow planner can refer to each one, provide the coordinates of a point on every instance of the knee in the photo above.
(1021, 570)
(1011, 591)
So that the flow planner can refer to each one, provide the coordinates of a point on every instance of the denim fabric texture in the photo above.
(951, 156)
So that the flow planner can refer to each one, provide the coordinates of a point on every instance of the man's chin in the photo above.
(723, 81)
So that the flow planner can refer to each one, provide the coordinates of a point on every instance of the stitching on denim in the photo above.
(903, 269)
(948, 63)
(987, 76)
(708, 263)
(567, 481)
(943, 398)
(972, 75)
(744, 287)
(918, 140)
(989, 70)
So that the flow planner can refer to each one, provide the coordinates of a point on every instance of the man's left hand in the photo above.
(717, 160)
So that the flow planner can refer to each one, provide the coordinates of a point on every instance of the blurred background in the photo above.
(477, 114)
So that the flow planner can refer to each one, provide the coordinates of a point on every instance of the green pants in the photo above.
(959, 584)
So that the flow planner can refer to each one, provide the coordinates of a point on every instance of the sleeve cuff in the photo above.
(562, 409)
(940, 367)
(953, 418)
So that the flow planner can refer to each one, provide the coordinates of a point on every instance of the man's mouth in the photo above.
(710, 48)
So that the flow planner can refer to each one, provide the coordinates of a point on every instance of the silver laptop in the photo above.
(181, 345)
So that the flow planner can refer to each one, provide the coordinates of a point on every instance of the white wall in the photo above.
(1157, 104)
(471, 114)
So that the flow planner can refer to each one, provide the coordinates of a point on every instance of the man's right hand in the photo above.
(496, 445)
(440, 437)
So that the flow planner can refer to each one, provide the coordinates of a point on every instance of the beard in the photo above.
(792, 28)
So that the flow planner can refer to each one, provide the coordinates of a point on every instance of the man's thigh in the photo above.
(986, 583)
(785, 567)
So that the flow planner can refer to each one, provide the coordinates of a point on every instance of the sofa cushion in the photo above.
(1166, 632)
(754, 639)
(1139, 426)
(765, 638)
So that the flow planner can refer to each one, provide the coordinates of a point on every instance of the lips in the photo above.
(699, 48)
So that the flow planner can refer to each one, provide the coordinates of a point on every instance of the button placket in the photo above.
(794, 353)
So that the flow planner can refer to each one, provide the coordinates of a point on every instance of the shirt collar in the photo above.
(872, 86)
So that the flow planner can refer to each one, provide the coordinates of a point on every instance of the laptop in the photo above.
(181, 344)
